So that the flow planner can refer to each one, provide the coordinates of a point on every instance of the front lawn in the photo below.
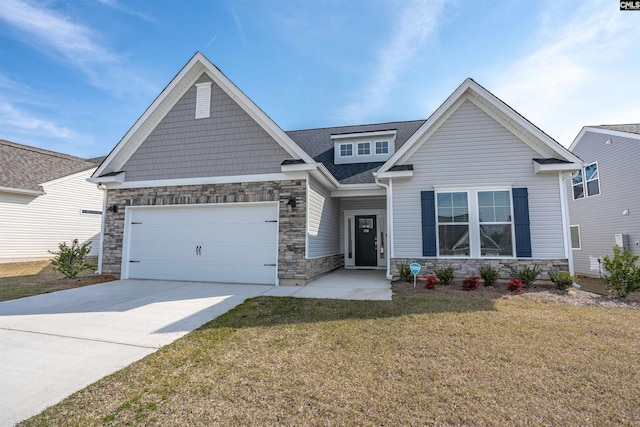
(421, 359)
(19, 280)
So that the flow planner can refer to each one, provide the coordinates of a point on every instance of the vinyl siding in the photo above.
(471, 148)
(31, 226)
(600, 217)
(323, 222)
(229, 142)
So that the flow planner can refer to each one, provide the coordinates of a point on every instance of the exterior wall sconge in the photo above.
(101, 186)
(291, 204)
(113, 208)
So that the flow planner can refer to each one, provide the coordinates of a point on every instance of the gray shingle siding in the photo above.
(600, 217)
(229, 142)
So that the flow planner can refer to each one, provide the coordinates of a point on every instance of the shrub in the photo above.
(562, 280)
(432, 281)
(404, 271)
(623, 272)
(71, 260)
(470, 283)
(445, 275)
(515, 285)
(489, 275)
(526, 274)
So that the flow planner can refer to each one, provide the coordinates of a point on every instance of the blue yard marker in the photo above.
(415, 269)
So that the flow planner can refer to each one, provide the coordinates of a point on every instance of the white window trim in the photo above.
(367, 143)
(345, 145)
(579, 238)
(586, 182)
(585, 190)
(474, 220)
(386, 147)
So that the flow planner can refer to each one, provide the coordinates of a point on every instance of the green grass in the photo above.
(19, 280)
(424, 359)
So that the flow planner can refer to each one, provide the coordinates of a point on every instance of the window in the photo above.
(592, 178)
(588, 176)
(364, 148)
(575, 236)
(453, 224)
(494, 209)
(475, 223)
(346, 150)
(382, 147)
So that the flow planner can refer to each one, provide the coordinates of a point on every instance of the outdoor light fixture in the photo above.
(113, 208)
(291, 204)
(101, 186)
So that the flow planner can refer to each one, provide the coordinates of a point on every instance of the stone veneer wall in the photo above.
(471, 267)
(293, 268)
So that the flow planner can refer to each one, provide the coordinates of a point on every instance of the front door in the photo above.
(366, 250)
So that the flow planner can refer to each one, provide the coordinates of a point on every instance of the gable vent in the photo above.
(203, 100)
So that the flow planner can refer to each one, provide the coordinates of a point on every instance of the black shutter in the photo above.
(428, 204)
(521, 222)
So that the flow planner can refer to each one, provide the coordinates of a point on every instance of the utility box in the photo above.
(622, 241)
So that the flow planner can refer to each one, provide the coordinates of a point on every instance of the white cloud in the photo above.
(18, 121)
(414, 22)
(58, 35)
(114, 4)
(581, 71)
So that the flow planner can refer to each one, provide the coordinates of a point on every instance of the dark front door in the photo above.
(366, 251)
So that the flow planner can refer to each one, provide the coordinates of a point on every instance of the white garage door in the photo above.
(231, 243)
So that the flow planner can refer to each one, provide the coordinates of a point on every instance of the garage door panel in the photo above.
(222, 243)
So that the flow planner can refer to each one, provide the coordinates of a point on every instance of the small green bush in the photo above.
(404, 271)
(489, 275)
(71, 260)
(562, 280)
(623, 272)
(526, 274)
(445, 275)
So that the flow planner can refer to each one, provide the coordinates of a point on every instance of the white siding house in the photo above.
(36, 216)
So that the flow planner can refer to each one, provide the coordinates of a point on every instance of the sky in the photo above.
(75, 75)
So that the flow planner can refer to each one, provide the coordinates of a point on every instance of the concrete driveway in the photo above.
(54, 344)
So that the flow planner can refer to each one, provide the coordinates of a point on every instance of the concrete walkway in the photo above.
(53, 345)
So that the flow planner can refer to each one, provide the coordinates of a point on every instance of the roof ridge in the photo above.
(42, 151)
(359, 125)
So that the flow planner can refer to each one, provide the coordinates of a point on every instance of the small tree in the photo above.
(71, 260)
(623, 272)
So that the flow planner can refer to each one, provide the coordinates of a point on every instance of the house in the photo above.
(205, 186)
(604, 208)
(45, 199)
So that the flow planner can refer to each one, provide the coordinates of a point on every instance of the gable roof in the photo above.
(631, 130)
(24, 168)
(319, 145)
(530, 134)
(171, 94)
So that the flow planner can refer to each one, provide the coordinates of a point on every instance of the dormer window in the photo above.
(346, 150)
(382, 147)
(364, 149)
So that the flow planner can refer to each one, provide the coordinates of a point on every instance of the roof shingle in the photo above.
(24, 167)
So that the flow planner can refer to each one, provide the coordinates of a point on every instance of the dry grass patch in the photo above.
(19, 280)
(421, 359)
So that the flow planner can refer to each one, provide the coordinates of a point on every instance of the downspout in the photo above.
(104, 214)
(389, 189)
(566, 230)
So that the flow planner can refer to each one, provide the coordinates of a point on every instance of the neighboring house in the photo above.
(205, 186)
(45, 199)
(605, 202)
